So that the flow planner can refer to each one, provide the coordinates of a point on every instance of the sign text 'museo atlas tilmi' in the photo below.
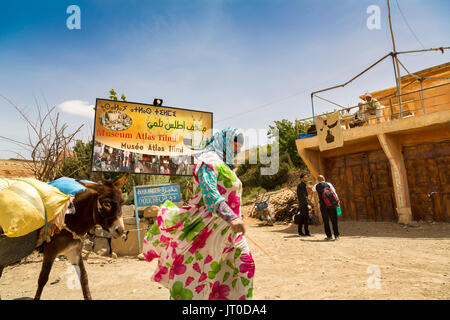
(142, 138)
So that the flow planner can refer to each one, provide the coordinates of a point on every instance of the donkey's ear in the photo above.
(120, 182)
(91, 186)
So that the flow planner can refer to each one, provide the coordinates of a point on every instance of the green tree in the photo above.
(77, 164)
(250, 174)
(303, 126)
(112, 94)
(287, 137)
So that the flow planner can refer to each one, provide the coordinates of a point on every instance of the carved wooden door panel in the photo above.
(428, 172)
(364, 185)
(382, 189)
(335, 173)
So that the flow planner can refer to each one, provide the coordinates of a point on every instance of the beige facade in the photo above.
(396, 169)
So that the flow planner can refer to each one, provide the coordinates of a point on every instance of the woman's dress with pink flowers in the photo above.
(199, 256)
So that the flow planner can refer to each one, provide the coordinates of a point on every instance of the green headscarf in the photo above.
(222, 143)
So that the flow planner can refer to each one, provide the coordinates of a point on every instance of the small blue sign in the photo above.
(156, 195)
(146, 196)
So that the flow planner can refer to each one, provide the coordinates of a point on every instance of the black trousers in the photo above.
(330, 214)
(304, 220)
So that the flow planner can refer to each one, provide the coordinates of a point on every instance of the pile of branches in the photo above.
(284, 205)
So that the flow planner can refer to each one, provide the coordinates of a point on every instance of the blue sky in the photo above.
(226, 56)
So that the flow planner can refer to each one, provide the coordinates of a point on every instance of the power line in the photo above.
(262, 106)
(288, 97)
(14, 141)
(409, 27)
(278, 100)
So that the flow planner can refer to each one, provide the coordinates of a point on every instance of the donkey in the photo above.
(100, 204)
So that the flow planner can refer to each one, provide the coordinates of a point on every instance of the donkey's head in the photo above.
(108, 211)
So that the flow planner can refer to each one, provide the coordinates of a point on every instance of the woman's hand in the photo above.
(237, 225)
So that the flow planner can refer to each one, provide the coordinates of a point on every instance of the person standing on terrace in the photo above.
(373, 107)
(361, 115)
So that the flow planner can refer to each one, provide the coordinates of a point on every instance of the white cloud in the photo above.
(78, 108)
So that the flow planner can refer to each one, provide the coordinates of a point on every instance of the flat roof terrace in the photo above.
(412, 129)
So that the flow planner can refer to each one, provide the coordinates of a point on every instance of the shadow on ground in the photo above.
(364, 229)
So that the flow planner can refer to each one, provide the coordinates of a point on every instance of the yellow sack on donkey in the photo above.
(23, 203)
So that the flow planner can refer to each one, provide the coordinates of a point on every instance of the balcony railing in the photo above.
(414, 103)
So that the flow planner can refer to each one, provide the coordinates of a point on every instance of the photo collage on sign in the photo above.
(109, 159)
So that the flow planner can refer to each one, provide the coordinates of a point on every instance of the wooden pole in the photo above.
(398, 78)
(261, 248)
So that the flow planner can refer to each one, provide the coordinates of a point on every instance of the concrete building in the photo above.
(398, 169)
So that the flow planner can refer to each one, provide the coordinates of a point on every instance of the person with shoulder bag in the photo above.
(329, 202)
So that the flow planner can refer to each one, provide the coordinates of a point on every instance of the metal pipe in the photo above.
(390, 96)
(344, 84)
(374, 64)
(330, 101)
(438, 78)
(431, 49)
(417, 77)
(394, 56)
(411, 74)
(312, 105)
(421, 94)
(398, 88)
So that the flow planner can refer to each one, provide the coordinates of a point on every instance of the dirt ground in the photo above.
(409, 263)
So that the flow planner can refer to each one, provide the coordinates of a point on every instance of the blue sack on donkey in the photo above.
(68, 185)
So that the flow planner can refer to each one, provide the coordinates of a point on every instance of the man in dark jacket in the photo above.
(304, 205)
(328, 213)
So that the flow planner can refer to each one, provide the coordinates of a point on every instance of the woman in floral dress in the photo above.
(201, 249)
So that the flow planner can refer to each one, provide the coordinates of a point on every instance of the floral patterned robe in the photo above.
(199, 256)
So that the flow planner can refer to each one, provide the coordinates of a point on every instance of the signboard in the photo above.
(154, 195)
(142, 138)
(329, 131)
(146, 196)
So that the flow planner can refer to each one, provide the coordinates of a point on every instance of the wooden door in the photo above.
(335, 173)
(382, 188)
(364, 185)
(428, 172)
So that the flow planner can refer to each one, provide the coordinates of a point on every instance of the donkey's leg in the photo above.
(84, 279)
(50, 253)
(75, 257)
